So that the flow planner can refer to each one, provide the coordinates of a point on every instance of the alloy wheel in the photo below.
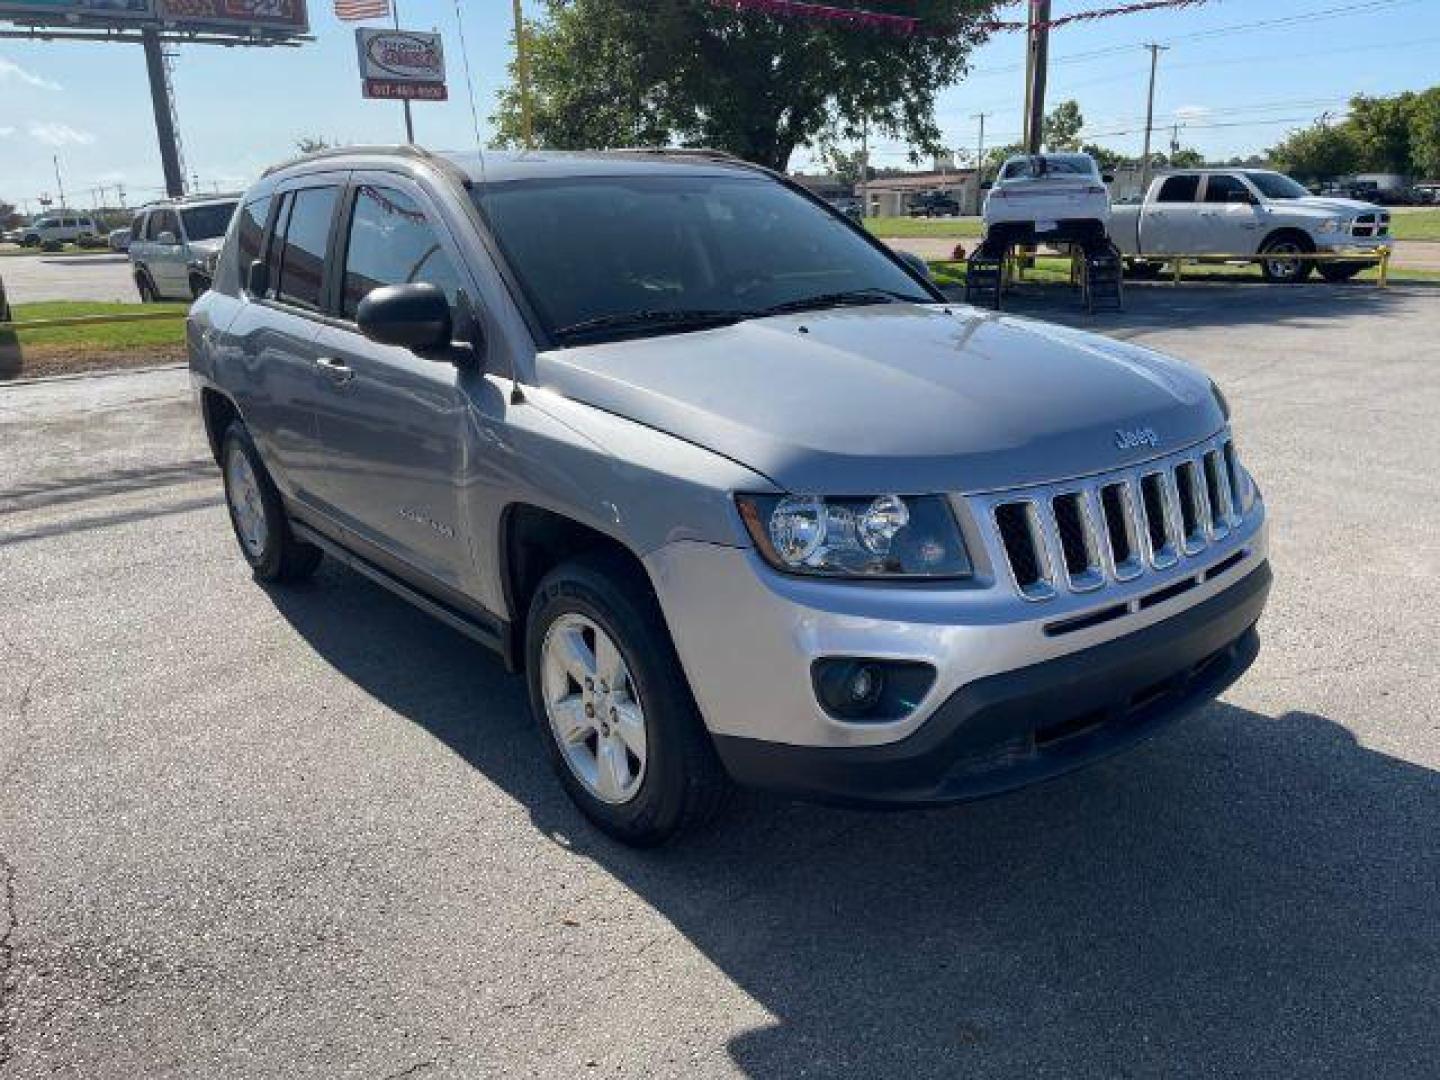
(593, 708)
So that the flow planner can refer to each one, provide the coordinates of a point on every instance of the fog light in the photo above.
(856, 688)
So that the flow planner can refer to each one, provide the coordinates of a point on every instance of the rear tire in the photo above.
(1337, 272)
(257, 513)
(637, 698)
(1280, 270)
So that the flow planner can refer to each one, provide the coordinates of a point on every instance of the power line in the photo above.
(1261, 26)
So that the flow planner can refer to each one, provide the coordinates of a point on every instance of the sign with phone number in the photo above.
(392, 90)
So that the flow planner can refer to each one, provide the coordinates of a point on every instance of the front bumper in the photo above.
(1020, 727)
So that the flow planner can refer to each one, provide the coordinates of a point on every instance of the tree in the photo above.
(1107, 159)
(1061, 128)
(609, 73)
(1186, 158)
(9, 219)
(1380, 128)
(846, 165)
(1425, 134)
(1318, 152)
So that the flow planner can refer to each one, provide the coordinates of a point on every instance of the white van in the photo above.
(64, 226)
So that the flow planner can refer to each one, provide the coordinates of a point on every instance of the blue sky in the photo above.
(1235, 85)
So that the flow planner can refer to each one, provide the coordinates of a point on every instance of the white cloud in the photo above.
(6, 132)
(11, 70)
(1192, 112)
(60, 135)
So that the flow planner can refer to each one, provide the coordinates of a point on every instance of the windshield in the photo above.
(659, 247)
(1032, 168)
(1274, 185)
(207, 222)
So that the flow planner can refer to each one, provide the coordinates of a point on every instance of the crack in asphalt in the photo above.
(410, 1070)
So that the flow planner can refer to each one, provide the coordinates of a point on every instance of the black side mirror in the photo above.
(415, 317)
(257, 278)
(916, 263)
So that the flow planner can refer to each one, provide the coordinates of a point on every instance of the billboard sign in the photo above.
(62, 11)
(401, 65)
(243, 17)
(287, 15)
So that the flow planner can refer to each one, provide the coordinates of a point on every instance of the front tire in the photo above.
(1283, 271)
(257, 514)
(146, 288)
(613, 707)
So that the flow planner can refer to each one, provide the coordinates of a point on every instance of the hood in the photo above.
(1326, 205)
(897, 397)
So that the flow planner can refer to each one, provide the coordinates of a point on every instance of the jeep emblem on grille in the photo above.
(1129, 438)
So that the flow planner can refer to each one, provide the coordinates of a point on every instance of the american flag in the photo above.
(355, 10)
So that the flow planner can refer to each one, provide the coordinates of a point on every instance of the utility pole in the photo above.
(980, 160)
(522, 76)
(59, 185)
(1037, 62)
(1155, 51)
(864, 167)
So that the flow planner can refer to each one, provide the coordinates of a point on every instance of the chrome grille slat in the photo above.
(1080, 536)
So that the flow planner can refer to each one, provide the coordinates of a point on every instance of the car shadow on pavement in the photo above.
(1244, 895)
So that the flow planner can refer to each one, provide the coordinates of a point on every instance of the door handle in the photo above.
(337, 370)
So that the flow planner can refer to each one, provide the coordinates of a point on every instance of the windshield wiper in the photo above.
(850, 297)
(631, 321)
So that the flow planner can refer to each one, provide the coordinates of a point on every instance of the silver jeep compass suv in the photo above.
(736, 488)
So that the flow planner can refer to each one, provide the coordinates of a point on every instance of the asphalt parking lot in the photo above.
(309, 832)
(103, 277)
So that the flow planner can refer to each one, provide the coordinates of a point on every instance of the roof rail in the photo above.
(704, 153)
(409, 150)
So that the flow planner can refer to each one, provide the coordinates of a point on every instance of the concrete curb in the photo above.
(106, 373)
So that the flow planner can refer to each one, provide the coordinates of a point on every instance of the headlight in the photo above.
(889, 536)
(1335, 225)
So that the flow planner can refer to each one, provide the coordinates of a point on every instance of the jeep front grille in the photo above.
(1079, 536)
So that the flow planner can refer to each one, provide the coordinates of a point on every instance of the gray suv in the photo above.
(737, 489)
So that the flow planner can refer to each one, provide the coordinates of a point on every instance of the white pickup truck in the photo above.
(1247, 212)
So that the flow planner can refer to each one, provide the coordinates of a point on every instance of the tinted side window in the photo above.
(392, 244)
(1220, 188)
(250, 231)
(302, 255)
(1179, 189)
(161, 221)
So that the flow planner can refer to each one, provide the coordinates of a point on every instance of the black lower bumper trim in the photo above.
(1020, 727)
